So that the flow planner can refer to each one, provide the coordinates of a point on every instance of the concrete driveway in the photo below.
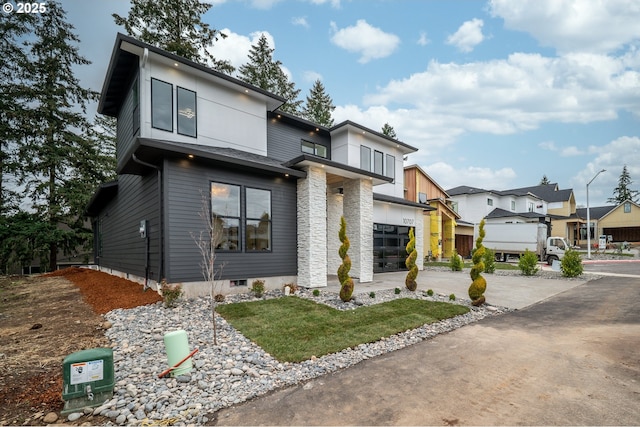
(572, 359)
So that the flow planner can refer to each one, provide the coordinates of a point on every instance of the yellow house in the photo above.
(622, 223)
(440, 229)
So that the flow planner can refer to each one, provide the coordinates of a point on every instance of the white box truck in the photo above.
(515, 238)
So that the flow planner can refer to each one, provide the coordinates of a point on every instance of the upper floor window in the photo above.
(390, 166)
(187, 124)
(313, 148)
(490, 202)
(378, 162)
(531, 207)
(513, 205)
(161, 105)
(365, 158)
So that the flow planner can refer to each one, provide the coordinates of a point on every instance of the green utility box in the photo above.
(87, 378)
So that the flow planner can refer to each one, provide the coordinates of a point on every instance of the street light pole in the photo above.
(589, 216)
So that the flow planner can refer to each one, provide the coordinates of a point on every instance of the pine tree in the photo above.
(544, 180)
(55, 152)
(389, 131)
(266, 73)
(319, 106)
(622, 192)
(175, 26)
(14, 93)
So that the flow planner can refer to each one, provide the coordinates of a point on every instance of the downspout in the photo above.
(161, 225)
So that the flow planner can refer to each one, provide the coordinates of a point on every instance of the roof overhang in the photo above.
(103, 195)
(404, 202)
(349, 126)
(338, 169)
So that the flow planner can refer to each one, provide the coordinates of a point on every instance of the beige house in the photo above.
(619, 223)
(440, 237)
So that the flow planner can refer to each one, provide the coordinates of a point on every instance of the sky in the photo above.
(494, 94)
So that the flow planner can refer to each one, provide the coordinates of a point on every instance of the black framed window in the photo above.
(225, 212)
(390, 167)
(365, 158)
(187, 117)
(258, 219)
(378, 159)
(313, 148)
(161, 105)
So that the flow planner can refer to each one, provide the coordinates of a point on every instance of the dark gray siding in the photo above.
(122, 247)
(185, 182)
(128, 123)
(284, 141)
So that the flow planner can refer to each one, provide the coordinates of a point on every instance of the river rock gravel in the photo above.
(236, 369)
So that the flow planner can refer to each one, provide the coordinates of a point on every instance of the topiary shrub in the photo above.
(489, 260)
(316, 292)
(478, 284)
(528, 263)
(410, 262)
(456, 263)
(571, 265)
(430, 292)
(346, 282)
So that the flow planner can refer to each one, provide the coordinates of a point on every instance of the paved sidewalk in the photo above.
(513, 291)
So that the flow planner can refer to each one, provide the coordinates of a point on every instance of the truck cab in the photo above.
(554, 249)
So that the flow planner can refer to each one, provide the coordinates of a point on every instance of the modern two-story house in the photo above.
(276, 185)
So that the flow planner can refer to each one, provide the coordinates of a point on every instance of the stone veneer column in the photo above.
(312, 229)
(334, 212)
(358, 213)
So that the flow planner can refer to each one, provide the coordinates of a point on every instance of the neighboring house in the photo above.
(277, 185)
(541, 203)
(440, 236)
(619, 223)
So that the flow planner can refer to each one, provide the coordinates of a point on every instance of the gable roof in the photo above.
(618, 207)
(546, 192)
(502, 213)
(594, 212)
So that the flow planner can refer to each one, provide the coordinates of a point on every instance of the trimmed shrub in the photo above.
(316, 292)
(456, 263)
(478, 283)
(346, 282)
(489, 260)
(571, 265)
(410, 262)
(396, 291)
(372, 294)
(170, 293)
(452, 297)
(430, 292)
(528, 263)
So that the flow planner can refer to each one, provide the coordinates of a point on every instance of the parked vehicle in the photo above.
(515, 238)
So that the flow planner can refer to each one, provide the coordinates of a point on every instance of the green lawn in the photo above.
(293, 329)
(468, 265)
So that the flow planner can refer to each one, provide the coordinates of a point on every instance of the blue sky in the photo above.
(495, 94)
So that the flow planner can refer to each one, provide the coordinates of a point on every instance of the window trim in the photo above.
(152, 105)
(195, 112)
(393, 166)
(489, 201)
(247, 219)
(223, 217)
(314, 146)
(375, 153)
(368, 164)
(627, 207)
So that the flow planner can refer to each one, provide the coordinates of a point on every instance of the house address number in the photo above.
(408, 221)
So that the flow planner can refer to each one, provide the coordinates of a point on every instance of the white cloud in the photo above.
(311, 76)
(612, 157)
(300, 21)
(548, 145)
(423, 40)
(598, 26)
(368, 41)
(518, 93)
(571, 151)
(334, 3)
(235, 47)
(448, 176)
(264, 4)
(468, 36)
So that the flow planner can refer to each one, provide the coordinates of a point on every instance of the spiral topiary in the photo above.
(346, 282)
(410, 262)
(478, 284)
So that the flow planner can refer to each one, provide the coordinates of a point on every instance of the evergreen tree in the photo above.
(623, 191)
(55, 152)
(266, 73)
(544, 180)
(14, 93)
(389, 131)
(319, 106)
(175, 26)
